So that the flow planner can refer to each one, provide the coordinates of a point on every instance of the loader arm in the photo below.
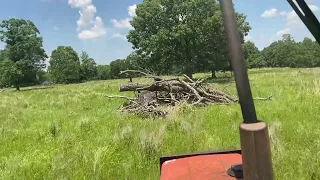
(307, 17)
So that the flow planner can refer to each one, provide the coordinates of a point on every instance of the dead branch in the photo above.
(123, 97)
(263, 99)
(131, 87)
(193, 90)
(134, 71)
(146, 75)
(154, 98)
(189, 79)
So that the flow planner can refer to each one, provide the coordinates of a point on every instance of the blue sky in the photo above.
(103, 24)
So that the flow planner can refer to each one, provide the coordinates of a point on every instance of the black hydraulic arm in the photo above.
(238, 62)
(307, 17)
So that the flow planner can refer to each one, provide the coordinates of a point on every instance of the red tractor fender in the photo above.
(201, 166)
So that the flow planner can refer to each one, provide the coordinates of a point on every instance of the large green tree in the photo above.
(103, 72)
(281, 53)
(253, 56)
(188, 34)
(116, 67)
(308, 54)
(147, 63)
(213, 49)
(89, 69)
(23, 47)
(64, 65)
(9, 73)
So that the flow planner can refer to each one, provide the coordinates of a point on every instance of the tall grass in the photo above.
(74, 132)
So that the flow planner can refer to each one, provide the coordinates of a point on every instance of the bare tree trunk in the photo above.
(131, 87)
(189, 68)
(188, 57)
(213, 75)
(189, 72)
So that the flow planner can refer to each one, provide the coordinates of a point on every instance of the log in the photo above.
(146, 98)
(157, 86)
(121, 97)
(131, 87)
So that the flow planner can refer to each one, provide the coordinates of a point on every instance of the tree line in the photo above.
(168, 38)
(283, 53)
(22, 61)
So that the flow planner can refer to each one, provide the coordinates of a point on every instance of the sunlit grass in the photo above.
(74, 132)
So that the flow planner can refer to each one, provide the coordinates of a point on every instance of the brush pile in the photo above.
(155, 98)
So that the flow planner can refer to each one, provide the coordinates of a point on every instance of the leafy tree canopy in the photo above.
(8, 73)
(89, 69)
(24, 48)
(64, 65)
(184, 33)
(103, 72)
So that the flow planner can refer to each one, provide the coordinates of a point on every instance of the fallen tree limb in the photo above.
(164, 85)
(123, 97)
(158, 97)
(146, 75)
(193, 90)
(131, 87)
(133, 71)
(188, 78)
(263, 99)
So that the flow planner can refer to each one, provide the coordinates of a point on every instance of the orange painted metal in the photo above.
(203, 167)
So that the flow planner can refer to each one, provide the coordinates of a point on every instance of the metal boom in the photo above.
(307, 17)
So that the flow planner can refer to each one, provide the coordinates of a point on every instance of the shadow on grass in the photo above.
(36, 88)
(220, 80)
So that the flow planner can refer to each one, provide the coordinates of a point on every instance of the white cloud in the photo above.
(95, 32)
(283, 31)
(89, 26)
(79, 3)
(125, 23)
(313, 7)
(269, 13)
(292, 19)
(132, 10)
(119, 36)
(122, 24)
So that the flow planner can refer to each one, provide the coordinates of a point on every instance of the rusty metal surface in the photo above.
(238, 62)
(203, 167)
(179, 156)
